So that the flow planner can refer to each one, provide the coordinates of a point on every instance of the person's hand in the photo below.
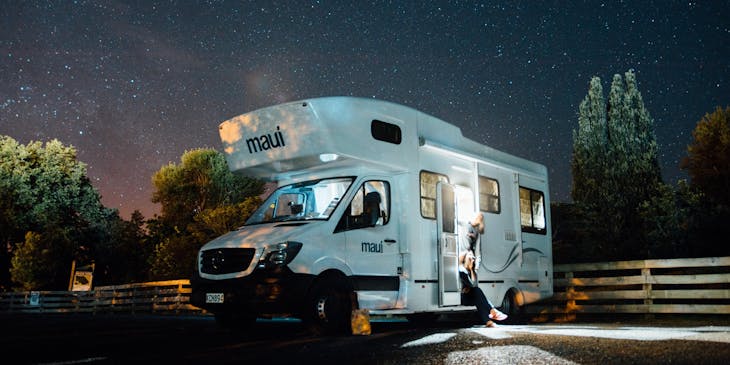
(469, 261)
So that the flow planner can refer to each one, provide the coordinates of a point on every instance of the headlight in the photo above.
(280, 255)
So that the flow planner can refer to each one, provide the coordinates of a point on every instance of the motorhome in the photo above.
(371, 211)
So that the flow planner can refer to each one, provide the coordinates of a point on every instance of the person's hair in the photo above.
(478, 222)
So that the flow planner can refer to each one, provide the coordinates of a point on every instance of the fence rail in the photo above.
(171, 296)
(686, 286)
(697, 286)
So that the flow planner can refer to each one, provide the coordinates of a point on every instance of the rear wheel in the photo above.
(515, 313)
(330, 305)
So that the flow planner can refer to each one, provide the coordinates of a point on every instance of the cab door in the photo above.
(371, 234)
(448, 247)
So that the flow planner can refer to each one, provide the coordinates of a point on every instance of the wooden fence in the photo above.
(688, 286)
(172, 297)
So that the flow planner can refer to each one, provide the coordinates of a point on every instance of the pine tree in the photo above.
(644, 152)
(615, 167)
(588, 144)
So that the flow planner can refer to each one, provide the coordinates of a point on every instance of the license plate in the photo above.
(214, 297)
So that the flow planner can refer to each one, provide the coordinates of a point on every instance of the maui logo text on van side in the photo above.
(265, 142)
(372, 247)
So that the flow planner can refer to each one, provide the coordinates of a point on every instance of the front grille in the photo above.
(225, 260)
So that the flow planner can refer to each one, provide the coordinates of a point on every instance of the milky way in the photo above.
(134, 84)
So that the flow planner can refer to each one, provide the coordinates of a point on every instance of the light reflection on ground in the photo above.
(706, 333)
(534, 355)
(431, 339)
(500, 355)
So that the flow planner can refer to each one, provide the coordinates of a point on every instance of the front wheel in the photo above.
(330, 305)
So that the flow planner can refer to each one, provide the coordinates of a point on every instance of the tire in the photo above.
(515, 313)
(329, 307)
(235, 321)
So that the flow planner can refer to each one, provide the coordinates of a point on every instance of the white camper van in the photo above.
(371, 212)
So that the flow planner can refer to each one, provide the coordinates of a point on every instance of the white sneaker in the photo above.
(497, 315)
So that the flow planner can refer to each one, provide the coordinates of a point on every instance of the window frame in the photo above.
(344, 223)
(441, 178)
(498, 196)
(531, 228)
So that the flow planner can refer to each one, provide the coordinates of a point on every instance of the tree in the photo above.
(175, 256)
(669, 221)
(44, 189)
(589, 145)
(708, 156)
(201, 181)
(123, 250)
(708, 165)
(200, 200)
(615, 168)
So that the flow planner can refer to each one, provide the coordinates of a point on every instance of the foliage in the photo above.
(43, 261)
(615, 168)
(217, 221)
(200, 199)
(201, 180)
(45, 189)
(708, 165)
(175, 256)
(50, 215)
(668, 220)
(122, 251)
(589, 145)
(708, 156)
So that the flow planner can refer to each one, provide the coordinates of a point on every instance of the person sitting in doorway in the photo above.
(471, 294)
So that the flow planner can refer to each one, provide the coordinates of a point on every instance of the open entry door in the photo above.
(448, 247)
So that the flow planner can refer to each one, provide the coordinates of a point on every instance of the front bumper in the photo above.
(266, 293)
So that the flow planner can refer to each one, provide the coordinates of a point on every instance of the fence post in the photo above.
(94, 306)
(178, 298)
(570, 307)
(114, 298)
(155, 298)
(648, 297)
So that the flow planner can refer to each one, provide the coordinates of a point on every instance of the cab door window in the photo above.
(370, 207)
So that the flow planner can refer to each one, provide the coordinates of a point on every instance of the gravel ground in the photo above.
(470, 346)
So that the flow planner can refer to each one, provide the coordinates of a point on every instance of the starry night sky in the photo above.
(134, 84)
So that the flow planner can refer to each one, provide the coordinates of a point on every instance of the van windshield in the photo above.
(315, 199)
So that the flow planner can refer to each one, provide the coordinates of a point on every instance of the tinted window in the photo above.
(488, 195)
(369, 207)
(532, 211)
(428, 192)
(385, 132)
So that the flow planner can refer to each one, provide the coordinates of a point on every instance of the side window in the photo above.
(489, 195)
(385, 132)
(532, 211)
(369, 208)
(428, 193)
